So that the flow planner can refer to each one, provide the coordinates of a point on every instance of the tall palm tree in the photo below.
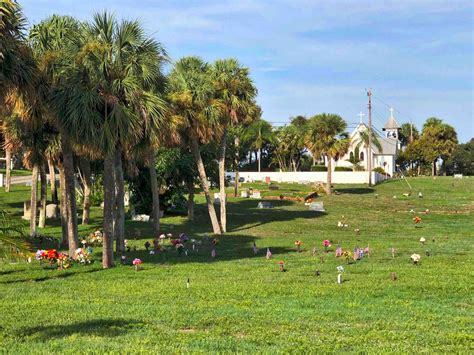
(326, 137)
(190, 92)
(258, 134)
(105, 101)
(17, 68)
(235, 92)
(54, 42)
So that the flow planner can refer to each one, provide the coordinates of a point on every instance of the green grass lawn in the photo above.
(240, 302)
(17, 172)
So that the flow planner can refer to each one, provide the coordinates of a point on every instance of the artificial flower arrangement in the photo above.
(347, 255)
(83, 255)
(137, 263)
(298, 244)
(326, 244)
(64, 261)
(281, 265)
(417, 221)
(94, 239)
(422, 240)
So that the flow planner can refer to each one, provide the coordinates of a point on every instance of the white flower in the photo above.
(193, 241)
(412, 211)
(152, 252)
(422, 240)
(415, 258)
(340, 224)
(83, 241)
(340, 269)
(162, 236)
(169, 235)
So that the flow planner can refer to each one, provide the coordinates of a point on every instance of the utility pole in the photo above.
(369, 157)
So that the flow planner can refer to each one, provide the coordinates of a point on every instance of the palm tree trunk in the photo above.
(44, 196)
(119, 225)
(155, 192)
(190, 184)
(109, 207)
(8, 169)
(205, 186)
(259, 159)
(329, 177)
(223, 197)
(236, 166)
(87, 182)
(52, 182)
(62, 202)
(70, 202)
(33, 200)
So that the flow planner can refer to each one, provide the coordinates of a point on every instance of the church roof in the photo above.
(391, 122)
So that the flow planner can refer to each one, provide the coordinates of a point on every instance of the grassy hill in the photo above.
(240, 302)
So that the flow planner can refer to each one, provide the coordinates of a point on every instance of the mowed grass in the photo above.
(240, 302)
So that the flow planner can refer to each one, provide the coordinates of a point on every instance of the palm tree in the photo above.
(363, 141)
(258, 134)
(235, 92)
(54, 42)
(326, 137)
(17, 69)
(190, 92)
(105, 101)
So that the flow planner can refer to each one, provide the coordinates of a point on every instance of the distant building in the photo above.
(384, 158)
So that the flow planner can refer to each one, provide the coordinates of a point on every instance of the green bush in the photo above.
(342, 168)
(380, 170)
(319, 168)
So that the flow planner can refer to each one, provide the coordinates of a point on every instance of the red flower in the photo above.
(175, 241)
(52, 254)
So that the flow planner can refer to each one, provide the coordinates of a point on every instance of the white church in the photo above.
(389, 144)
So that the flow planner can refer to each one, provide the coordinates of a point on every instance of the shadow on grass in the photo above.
(230, 247)
(242, 214)
(95, 327)
(57, 275)
(356, 190)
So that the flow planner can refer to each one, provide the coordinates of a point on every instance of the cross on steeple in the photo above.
(360, 116)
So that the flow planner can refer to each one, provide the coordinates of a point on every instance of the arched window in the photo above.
(351, 156)
(361, 156)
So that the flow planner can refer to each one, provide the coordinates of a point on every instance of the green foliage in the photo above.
(14, 243)
(343, 168)
(379, 170)
(461, 160)
(319, 168)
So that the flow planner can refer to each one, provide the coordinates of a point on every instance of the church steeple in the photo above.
(391, 127)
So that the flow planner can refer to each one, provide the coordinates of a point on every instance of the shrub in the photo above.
(342, 168)
(319, 168)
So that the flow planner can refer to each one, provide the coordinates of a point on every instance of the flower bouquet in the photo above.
(64, 261)
(179, 248)
(137, 263)
(83, 255)
(326, 244)
(298, 244)
(417, 221)
(281, 265)
(415, 258)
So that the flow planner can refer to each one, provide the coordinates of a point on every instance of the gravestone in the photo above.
(458, 176)
(244, 194)
(26, 210)
(316, 206)
(256, 194)
(217, 198)
(52, 211)
(264, 204)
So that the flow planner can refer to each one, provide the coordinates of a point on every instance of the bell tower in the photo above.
(391, 127)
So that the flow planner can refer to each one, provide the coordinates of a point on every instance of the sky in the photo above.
(309, 56)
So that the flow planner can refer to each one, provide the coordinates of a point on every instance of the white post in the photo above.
(339, 279)
(1, 180)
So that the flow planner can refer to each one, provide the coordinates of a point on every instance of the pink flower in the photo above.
(136, 261)
(327, 243)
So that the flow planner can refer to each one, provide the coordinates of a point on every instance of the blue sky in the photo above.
(308, 57)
